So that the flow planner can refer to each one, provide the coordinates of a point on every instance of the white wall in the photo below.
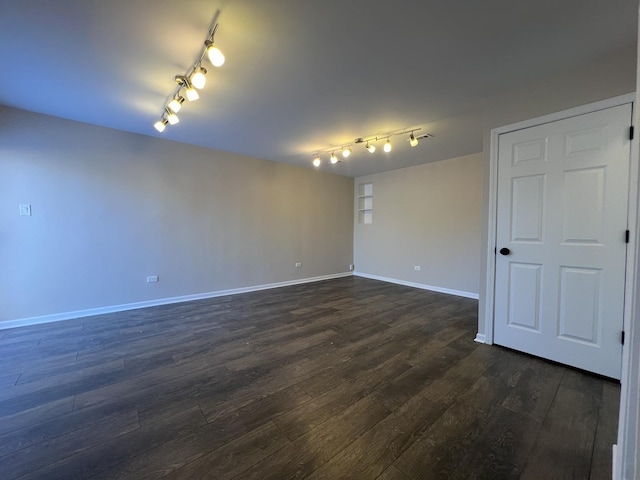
(428, 215)
(110, 208)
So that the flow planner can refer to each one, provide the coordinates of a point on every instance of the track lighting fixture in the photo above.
(369, 144)
(161, 124)
(195, 78)
(198, 78)
(176, 104)
(216, 57)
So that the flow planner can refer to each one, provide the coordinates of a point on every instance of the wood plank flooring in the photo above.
(343, 379)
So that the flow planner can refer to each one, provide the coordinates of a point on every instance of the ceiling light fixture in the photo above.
(195, 78)
(216, 57)
(198, 78)
(190, 92)
(161, 124)
(172, 118)
(176, 104)
(368, 142)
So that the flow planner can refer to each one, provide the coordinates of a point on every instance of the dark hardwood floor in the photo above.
(342, 379)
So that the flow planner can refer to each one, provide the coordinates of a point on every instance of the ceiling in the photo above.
(300, 76)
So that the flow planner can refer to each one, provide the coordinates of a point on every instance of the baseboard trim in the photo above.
(58, 317)
(458, 293)
(480, 338)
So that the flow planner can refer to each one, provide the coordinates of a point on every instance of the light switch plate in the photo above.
(25, 209)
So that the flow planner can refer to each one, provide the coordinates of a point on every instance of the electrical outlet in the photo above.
(152, 279)
(351, 267)
(25, 209)
(417, 268)
(298, 264)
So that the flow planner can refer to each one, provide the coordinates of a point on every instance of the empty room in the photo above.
(365, 240)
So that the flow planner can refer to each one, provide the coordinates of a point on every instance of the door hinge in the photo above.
(631, 132)
(622, 338)
(627, 234)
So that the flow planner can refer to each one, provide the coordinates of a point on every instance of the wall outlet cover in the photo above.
(152, 278)
(25, 209)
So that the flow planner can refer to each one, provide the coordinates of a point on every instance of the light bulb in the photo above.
(333, 158)
(387, 146)
(371, 148)
(160, 125)
(316, 162)
(192, 94)
(413, 141)
(198, 78)
(346, 151)
(216, 57)
(176, 104)
(172, 118)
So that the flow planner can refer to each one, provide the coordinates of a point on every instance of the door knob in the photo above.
(505, 251)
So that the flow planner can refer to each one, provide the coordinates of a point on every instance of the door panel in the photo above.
(562, 213)
(580, 317)
(527, 218)
(525, 296)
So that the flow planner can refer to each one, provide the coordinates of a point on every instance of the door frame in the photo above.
(489, 290)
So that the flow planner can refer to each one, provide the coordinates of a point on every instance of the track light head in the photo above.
(346, 151)
(198, 78)
(172, 118)
(216, 57)
(371, 147)
(387, 146)
(333, 159)
(316, 161)
(413, 141)
(160, 125)
(176, 104)
(190, 92)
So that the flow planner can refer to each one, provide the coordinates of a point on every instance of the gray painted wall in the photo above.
(110, 208)
(428, 216)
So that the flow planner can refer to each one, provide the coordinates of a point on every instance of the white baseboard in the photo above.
(480, 338)
(57, 317)
(422, 286)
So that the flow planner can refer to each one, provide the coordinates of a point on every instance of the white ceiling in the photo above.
(300, 75)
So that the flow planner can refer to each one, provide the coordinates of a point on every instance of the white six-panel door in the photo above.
(562, 216)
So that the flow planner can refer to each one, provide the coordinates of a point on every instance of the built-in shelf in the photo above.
(365, 203)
